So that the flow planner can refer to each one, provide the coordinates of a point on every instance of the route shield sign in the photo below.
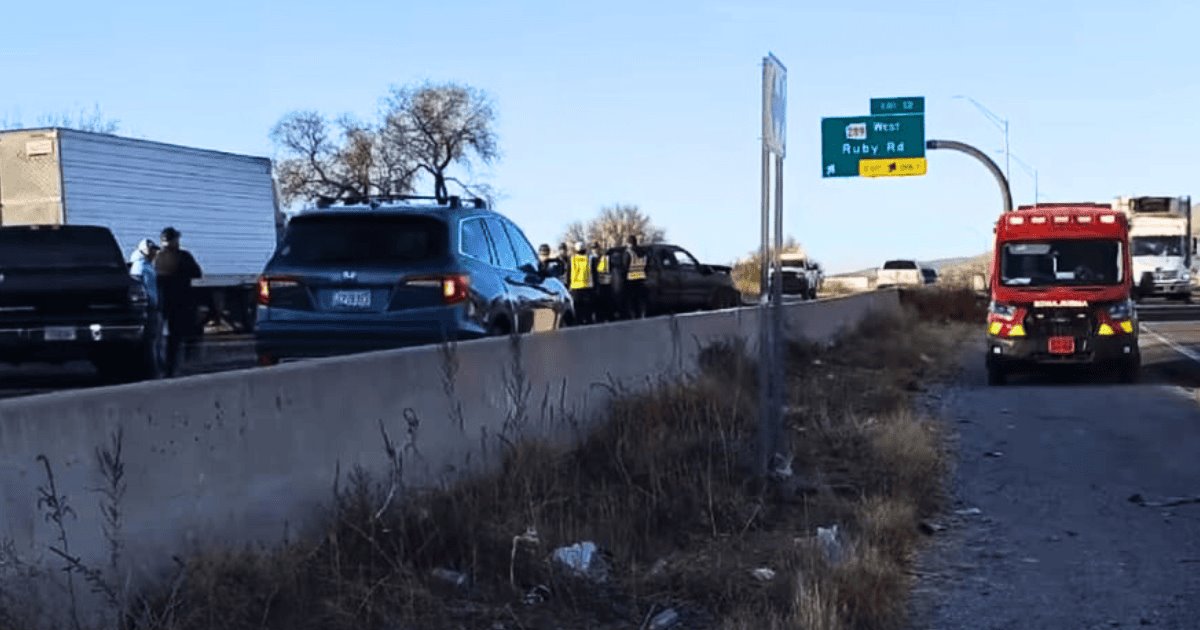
(846, 142)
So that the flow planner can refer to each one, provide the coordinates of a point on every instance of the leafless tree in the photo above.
(442, 125)
(423, 130)
(614, 224)
(84, 120)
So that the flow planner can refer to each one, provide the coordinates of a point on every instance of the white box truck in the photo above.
(1163, 249)
(225, 205)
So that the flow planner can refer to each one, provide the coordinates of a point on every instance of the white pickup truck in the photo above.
(899, 273)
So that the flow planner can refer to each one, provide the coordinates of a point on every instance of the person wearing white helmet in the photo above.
(582, 284)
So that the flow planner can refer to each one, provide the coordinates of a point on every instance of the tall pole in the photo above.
(764, 339)
(1007, 171)
(778, 389)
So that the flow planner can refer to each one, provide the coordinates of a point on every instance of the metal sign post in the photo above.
(770, 330)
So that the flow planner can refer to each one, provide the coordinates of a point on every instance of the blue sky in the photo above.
(657, 103)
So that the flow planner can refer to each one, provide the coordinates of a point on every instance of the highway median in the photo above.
(668, 525)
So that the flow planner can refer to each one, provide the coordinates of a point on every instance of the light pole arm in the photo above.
(962, 147)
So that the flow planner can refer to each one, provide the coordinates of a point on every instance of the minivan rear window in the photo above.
(69, 248)
(899, 264)
(363, 240)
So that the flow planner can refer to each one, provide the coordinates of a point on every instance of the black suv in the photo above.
(676, 282)
(66, 295)
(400, 271)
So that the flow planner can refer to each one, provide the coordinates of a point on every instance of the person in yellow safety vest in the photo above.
(635, 292)
(582, 285)
(603, 294)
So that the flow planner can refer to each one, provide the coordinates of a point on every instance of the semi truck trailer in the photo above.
(225, 205)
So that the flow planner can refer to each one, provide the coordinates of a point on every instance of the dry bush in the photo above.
(665, 486)
(946, 304)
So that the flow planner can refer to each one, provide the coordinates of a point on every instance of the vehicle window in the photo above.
(667, 258)
(59, 249)
(1061, 262)
(505, 254)
(363, 239)
(1157, 245)
(900, 264)
(685, 259)
(526, 254)
(473, 241)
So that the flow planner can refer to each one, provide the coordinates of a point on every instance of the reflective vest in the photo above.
(637, 266)
(581, 272)
(602, 274)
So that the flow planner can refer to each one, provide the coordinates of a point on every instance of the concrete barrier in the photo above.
(243, 457)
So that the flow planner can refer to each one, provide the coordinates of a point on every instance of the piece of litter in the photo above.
(969, 512)
(831, 543)
(1138, 499)
(994, 454)
(926, 358)
(454, 578)
(929, 527)
(537, 595)
(763, 574)
(583, 559)
(817, 362)
(664, 620)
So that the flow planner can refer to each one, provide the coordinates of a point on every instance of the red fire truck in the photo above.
(1061, 287)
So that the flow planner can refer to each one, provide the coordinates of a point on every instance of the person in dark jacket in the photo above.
(176, 268)
(616, 264)
(635, 291)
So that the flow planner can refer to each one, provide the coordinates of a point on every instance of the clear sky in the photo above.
(658, 103)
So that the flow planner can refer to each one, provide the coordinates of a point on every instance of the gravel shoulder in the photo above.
(1040, 531)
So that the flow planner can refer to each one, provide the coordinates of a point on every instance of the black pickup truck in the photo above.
(677, 283)
(66, 295)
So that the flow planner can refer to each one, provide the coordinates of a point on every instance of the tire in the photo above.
(1130, 371)
(997, 376)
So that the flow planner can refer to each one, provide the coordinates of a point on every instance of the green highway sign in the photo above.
(848, 140)
(902, 105)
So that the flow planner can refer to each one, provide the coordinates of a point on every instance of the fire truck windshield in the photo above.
(1067, 262)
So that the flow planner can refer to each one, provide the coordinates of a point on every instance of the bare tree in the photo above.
(614, 224)
(346, 160)
(84, 120)
(442, 126)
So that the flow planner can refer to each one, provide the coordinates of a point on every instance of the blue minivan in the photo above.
(401, 271)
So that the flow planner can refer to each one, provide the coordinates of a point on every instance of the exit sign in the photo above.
(895, 106)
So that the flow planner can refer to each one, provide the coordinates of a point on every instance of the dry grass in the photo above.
(664, 487)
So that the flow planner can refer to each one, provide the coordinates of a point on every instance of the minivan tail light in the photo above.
(267, 284)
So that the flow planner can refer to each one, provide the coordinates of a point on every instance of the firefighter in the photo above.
(603, 292)
(582, 285)
(635, 292)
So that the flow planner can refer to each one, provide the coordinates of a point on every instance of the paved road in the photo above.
(213, 355)
(1051, 466)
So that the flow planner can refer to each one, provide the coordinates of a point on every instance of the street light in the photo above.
(1002, 123)
(1029, 170)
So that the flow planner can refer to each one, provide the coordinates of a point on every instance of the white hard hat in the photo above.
(580, 247)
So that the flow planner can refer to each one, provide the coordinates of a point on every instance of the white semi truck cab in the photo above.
(1164, 252)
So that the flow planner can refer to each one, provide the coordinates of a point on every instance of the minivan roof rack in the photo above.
(375, 201)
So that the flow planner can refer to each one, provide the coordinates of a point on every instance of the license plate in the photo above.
(1062, 345)
(352, 299)
(59, 333)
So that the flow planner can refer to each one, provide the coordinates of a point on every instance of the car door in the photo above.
(514, 278)
(546, 296)
(668, 285)
(696, 288)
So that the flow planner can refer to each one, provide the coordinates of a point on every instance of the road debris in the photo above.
(537, 595)
(1138, 499)
(663, 620)
(453, 578)
(583, 559)
(763, 574)
(994, 454)
(831, 543)
(972, 511)
(930, 528)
